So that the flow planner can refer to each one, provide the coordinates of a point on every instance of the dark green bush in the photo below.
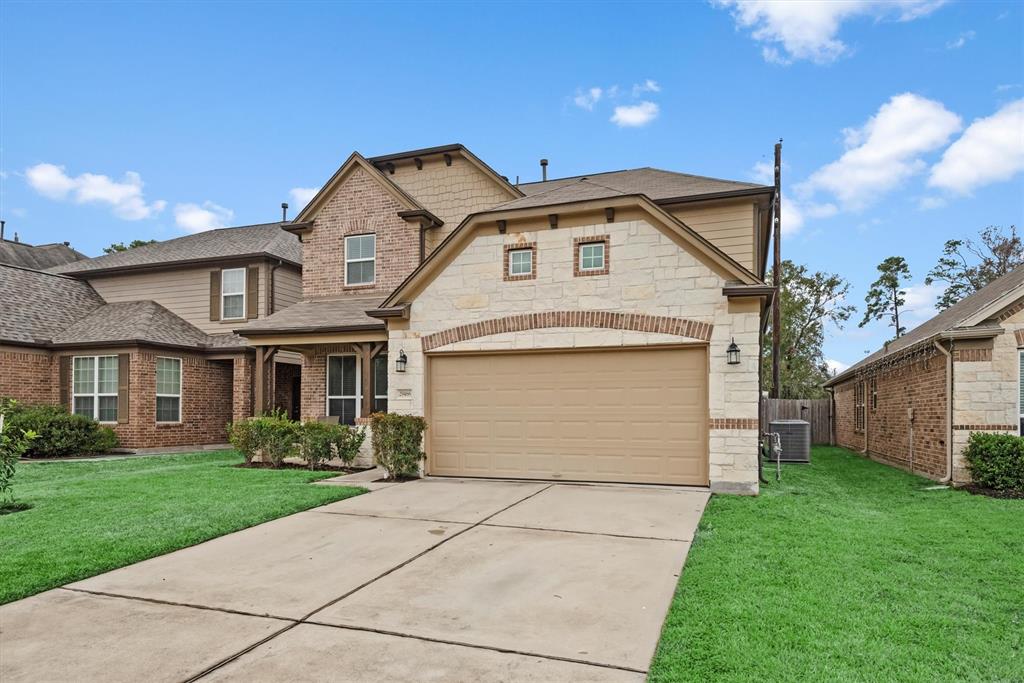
(320, 442)
(60, 433)
(397, 443)
(13, 444)
(272, 437)
(996, 461)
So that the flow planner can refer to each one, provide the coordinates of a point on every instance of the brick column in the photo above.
(241, 388)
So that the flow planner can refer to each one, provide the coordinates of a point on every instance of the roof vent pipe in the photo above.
(2, 224)
(284, 212)
(544, 169)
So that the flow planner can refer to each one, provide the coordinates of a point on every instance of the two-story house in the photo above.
(596, 328)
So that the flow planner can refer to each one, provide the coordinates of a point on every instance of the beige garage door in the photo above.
(625, 415)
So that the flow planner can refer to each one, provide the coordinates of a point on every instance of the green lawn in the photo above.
(848, 570)
(92, 516)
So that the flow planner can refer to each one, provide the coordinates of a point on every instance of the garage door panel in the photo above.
(624, 415)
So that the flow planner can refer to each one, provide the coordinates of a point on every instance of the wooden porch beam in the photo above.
(367, 380)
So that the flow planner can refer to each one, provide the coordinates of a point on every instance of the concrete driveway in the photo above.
(433, 580)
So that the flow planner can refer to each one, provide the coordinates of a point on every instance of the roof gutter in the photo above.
(307, 329)
(726, 194)
(170, 265)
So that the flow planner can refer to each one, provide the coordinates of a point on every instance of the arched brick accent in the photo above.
(635, 322)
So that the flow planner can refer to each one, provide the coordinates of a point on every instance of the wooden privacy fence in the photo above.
(817, 411)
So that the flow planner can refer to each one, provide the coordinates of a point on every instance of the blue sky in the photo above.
(902, 122)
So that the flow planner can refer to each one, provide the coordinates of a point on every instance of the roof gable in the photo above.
(354, 161)
(36, 306)
(501, 181)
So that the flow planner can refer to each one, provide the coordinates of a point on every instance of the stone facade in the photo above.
(359, 206)
(27, 375)
(651, 276)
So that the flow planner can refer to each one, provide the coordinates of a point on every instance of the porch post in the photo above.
(263, 382)
(257, 375)
(367, 380)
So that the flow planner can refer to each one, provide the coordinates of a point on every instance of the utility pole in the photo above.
(776, 272)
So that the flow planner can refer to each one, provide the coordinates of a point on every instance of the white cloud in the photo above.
(763, 172)
(635, 115)
(125, 198)
(1003, 87)
(930, 203)
(885, 151)
(197, 218)
(647, 86)
(835, 366)
(990, 150)
(960, 40)
(302, 195)
(586, 99)
(792, 31)
(920, 303)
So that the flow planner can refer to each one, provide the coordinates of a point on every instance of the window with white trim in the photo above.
(343, 388)
(380, 383)
(232, 293)
(520, 261)
(360, 257)
(94, 387)
(592, 256)
(168, 389)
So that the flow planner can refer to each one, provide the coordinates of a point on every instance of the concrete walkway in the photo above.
(433, 580)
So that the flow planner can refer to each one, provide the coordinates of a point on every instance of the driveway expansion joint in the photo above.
(410, 519)
(171, 603)
(585, 533)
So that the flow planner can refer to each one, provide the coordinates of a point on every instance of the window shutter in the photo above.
(215, 295)
(252, 292)
(124, 367)
(64, 379)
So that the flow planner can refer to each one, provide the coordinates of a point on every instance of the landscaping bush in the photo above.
(320, 442)
(996, 461)
(397, 441)
(13, 444)
(60, 433)
(273, 437)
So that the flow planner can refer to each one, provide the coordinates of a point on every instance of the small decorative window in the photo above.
(94, 387)
(380, 383)
(521, 261)
(874, 394)
(591, 256)
(859, 418)
(168, 389)
(232, 294)
(360, 257)
(343, 388)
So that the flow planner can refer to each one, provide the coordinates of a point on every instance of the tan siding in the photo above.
(287, 288)
(184, 292)
(728, 225)
(450, 192)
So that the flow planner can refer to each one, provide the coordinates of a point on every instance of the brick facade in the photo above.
(27, 375)
(285, 375)
(360, 206)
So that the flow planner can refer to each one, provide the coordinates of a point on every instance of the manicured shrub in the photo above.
(320, 442)
(13, 444)
(60, 433)
(397, 443)
(272, 437)
(996, 461)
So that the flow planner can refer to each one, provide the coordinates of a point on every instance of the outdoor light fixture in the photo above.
(403, 360)
(732, 354)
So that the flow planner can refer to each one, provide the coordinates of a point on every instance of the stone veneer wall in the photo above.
(650, 274)
(28, 375)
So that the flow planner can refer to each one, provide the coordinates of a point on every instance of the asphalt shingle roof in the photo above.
(319, 315)
(266, 238)
(36, 306)
(37, 257)
(133, 321)
(949, 319)
(653, 182)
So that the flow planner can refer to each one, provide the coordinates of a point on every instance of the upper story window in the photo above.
(94, 387)
(360, 258)
(232, 294)
(520, 262)
(591, 256)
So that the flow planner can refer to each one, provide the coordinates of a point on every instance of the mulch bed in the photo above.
(340, 469)
(993, 493)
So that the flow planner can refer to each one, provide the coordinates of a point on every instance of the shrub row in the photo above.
(58, 432)
(274, 437)
(996, 461)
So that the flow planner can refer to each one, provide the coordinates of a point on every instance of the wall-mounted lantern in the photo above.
(403, 361)
(732, 354)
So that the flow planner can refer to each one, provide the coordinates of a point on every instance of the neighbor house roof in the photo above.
(957, 316)
(145, 322)
(341, 314)
(661, 186)
(36, 306)
(39, 256)
(266, 239)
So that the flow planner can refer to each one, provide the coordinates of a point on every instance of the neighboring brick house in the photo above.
(914, 403)
(571, 329)
(141, 339)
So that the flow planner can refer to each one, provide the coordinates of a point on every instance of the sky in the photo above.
(903, 122)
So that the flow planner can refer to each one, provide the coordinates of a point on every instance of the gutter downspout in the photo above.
(949, 409)
(270, 287)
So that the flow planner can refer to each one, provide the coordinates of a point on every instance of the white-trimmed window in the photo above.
(343, 388)
(360, 257)
(168, 389)
(592, 256)
(380, 383)
(232, 293)
(520, 261)
(94, 387)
